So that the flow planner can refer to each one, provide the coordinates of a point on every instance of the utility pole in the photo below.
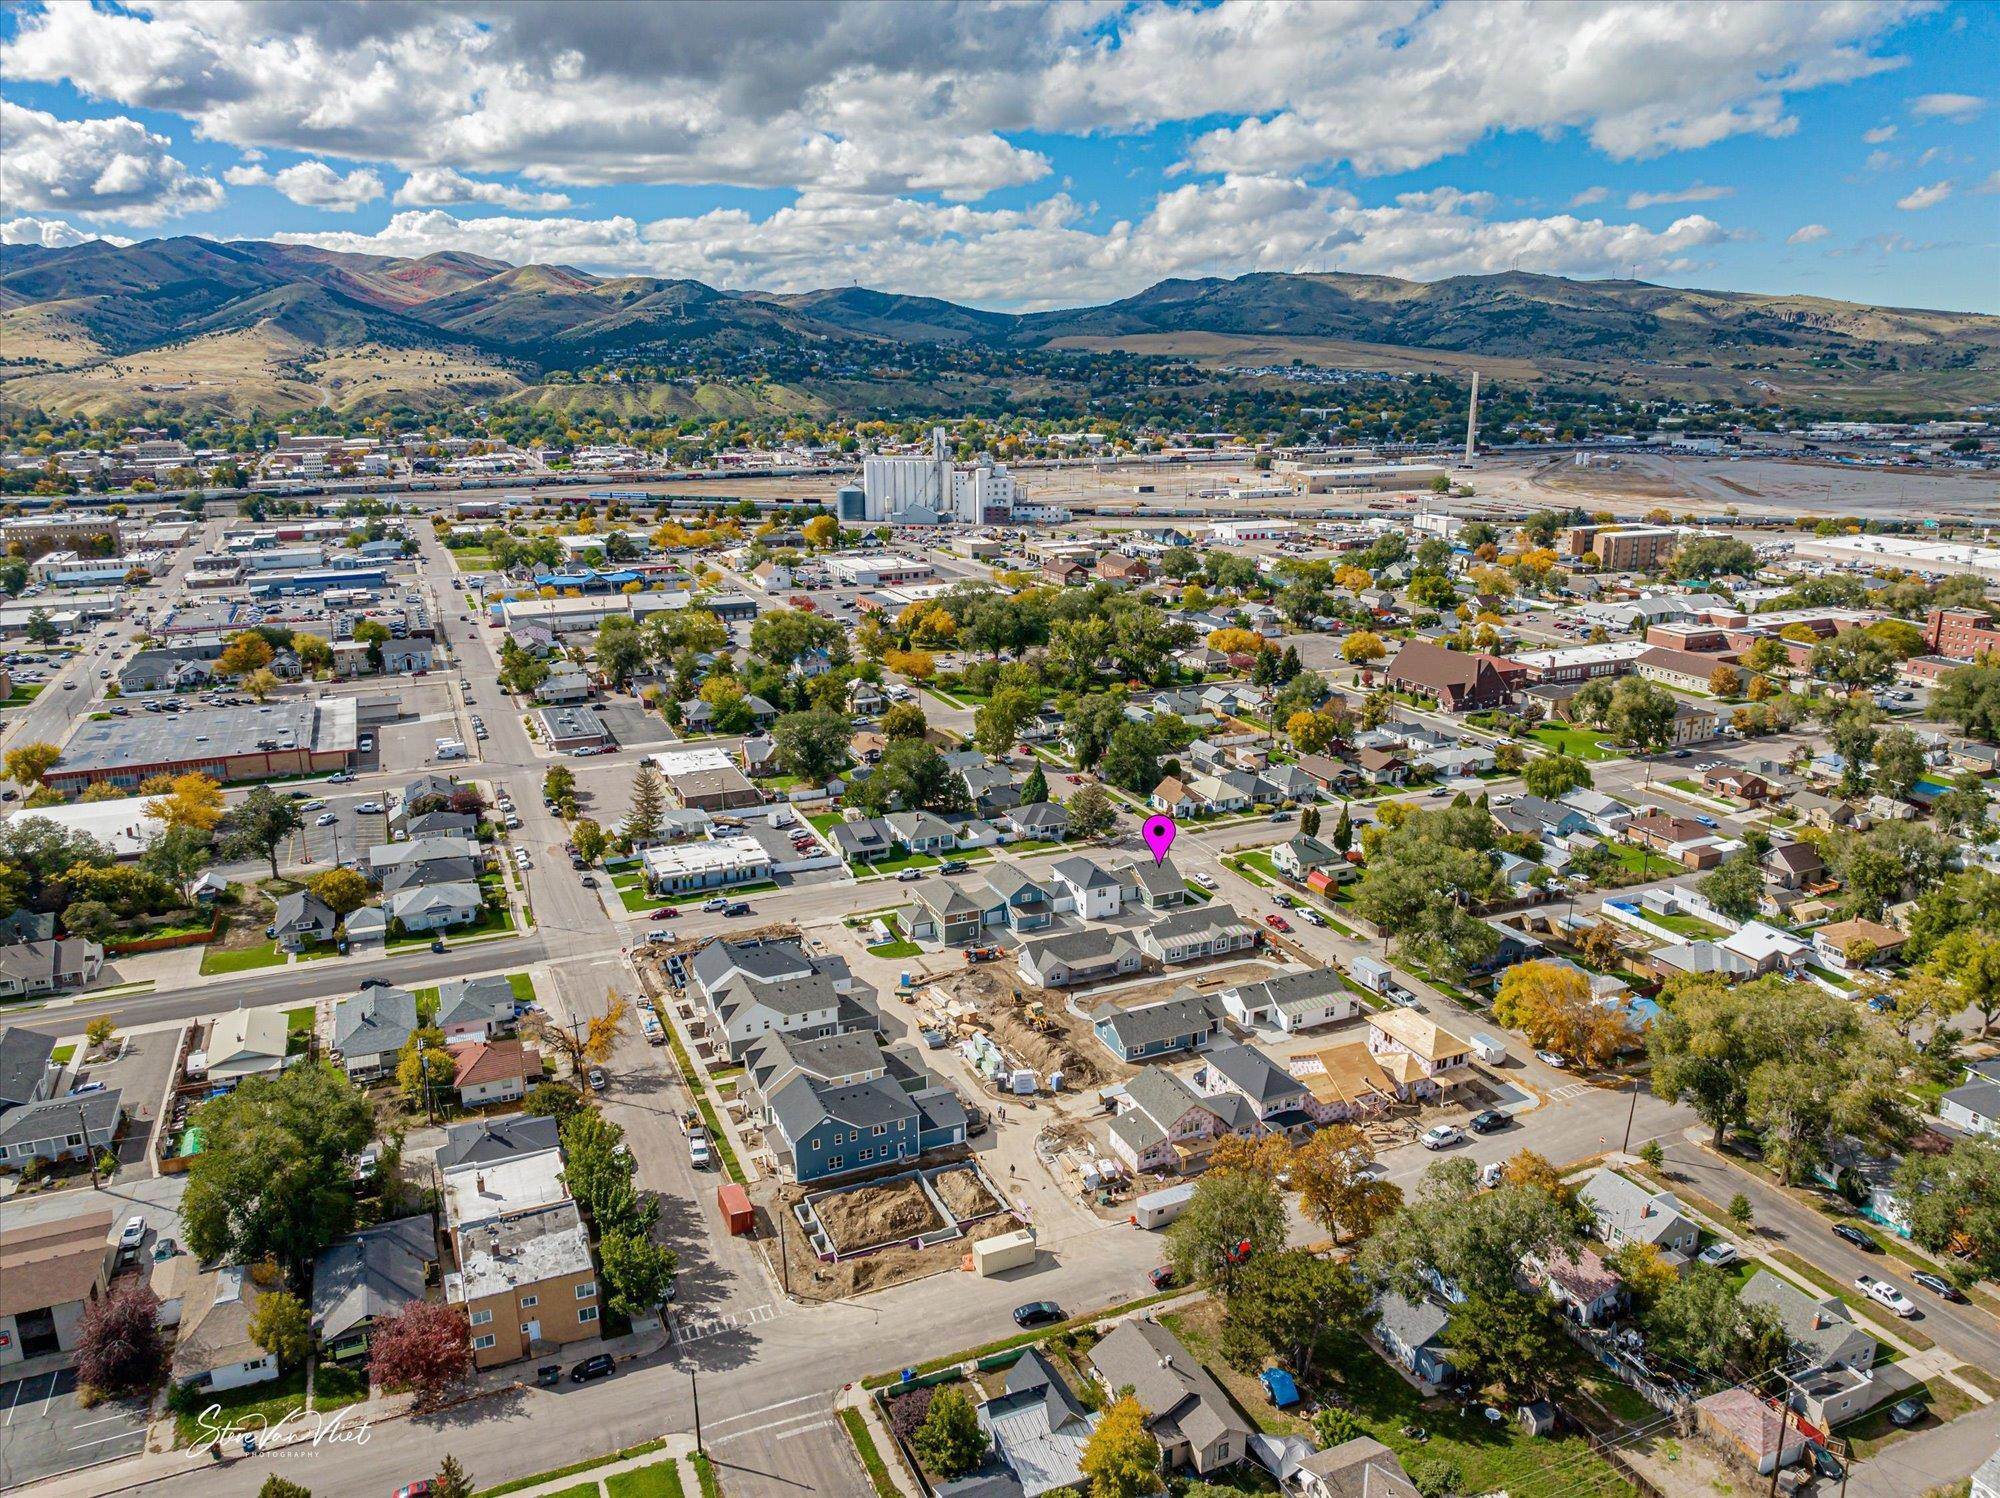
(1630, 1114)
(694, 1386)
(89, 1153)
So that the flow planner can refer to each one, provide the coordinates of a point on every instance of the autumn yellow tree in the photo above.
(190, 800)
(586, 1044)
(1362, 647)
(1527, 1168)
(245, 653)
(260, 683)
(1237, 641)
(822, 531)
(1645, 1271)
(26, 764)
(1553, 1006)
(913, 665)
(1337, 1187)
(1353, 578)
(1311, 732)
(1725, 681)
(1121, 1459)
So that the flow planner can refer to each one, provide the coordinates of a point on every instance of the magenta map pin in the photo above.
(1159, 835)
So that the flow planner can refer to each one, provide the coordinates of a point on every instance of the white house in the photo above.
(1094, 894)
(435, 907)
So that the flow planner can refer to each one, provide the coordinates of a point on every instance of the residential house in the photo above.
(496, 1071)
(1224, 791)
(496, 1141)
(1360, 1468)
(992, 787)
(303, 917)
(1018, 900)
(475, 1009)
(1702, 958)
(1422, 1056)
(922, 832)
(1552, 819)
(30, 968)
(1623, 1211)
(1326, 772)
(1279, 1100)
(1581, 1284)
(836, 1060)
(28, 1072)
(51, 1272)
(1181, 1022)
(1739, 1420)
(1686, 670)
(1382, 766)
(1302, 855)
(1198, 932)
(1080, 884)
(1767, 949)
(1605, 815)
(1190, 1416)
(943, 913)
(371, 1028)
(1123, 571)
(831, 1127)
(213, 1349)
(1686, 842)
(1854, 945)
(1165, 1127)
(243, 1043)
(1827, 813)
(1038, 1430)
(436, 907)
(1821, 1328)
(524, 1278)
(1070, 958)
(1412, 1333)
(1792, 865)
(369, 1277)
(1042, 821)
(1173, 797)
(1741, 784)
(1292, 1001)
(862, 840)
(1974, 1105)
(1283, 783)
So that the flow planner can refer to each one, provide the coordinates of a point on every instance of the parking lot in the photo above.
(633, 726)
(140, 1075)
(45, 1432)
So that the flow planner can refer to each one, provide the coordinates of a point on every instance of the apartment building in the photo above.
(1634, 549)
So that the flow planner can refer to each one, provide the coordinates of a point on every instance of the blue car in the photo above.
(1707, 821)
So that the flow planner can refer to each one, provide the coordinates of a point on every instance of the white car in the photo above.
(1206, 881)
(369, 809)
(1310, 916)
(1550, 1058)
(1718, 1255)
(314, 805)
(133, 1233)
(1441, 1136)
(325, 819)
(1884, 1293)
(521, 855)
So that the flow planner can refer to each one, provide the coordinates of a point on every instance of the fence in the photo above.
(117, 948)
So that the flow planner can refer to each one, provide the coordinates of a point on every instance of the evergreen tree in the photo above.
(1309, 821)
(648, 810)
(1035, 788)
(1343, 830)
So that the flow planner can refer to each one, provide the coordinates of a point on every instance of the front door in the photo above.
(531, 1333)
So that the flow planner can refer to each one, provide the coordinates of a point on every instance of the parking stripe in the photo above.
(116, 1435)
(16, 1402)
(100, 1420)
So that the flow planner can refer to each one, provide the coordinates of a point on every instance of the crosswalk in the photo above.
(701, 1328)
(1569, 1090)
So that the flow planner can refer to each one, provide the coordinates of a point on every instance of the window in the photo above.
(528, 1302)
(74, 1140)
(880, 1130)
(481, 1318)
(867, 1154)
(480, 1344)
(587, 1315)
(586, 1292)
(834, 1162)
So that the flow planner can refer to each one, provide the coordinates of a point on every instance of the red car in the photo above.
(421, 1488)
(665, 913)
(1074, 779)
(1277, 923)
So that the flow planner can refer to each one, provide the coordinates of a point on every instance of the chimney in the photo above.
(1819, 1319)
(479, 1183)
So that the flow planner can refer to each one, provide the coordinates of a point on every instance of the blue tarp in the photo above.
(1278, 1384)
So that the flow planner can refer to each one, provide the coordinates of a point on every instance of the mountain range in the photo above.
(241, 326)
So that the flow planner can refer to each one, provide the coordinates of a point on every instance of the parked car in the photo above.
(1824, 1462)
(699, 1155)
(718, 903)
(598, 1080)
(1310, 916)
(665, 913)
(1277, 922)
(1885, 1294)
(1551, 1058)
(1938, 1285)
(369, 809)
(423, 1487)
(1488, 1121)
(1718, 1255)
(908, 876)
(1037, 1313)
(1906, 1412)
(1705, 820)
(1160, 1276)
(164, 1249)
(133, 1233)
(325, 819)
(1856, 1237)
(952, 866)
(598, 1365)
(1441, 1136)
(1206, 881)
(588, 881)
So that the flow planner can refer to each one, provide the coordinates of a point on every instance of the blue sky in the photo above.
(1016, 156)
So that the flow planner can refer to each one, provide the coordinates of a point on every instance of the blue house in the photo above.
(1180, 1023)
(1018, 902)
(839, 1104)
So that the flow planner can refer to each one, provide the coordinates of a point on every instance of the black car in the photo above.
(1858, 1238)
(1937, 1285)
(1488, 1122)
(599, 1365)
(1037, 1313)
(1824, 1461)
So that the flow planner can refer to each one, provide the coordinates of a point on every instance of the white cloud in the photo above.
(1879, 134)
(50, 233)
(1925, 197)
(1957, 109)
(115, 168)
(1990, 184)
(1694, 192)
(844, 96)
(441, 186)
(312, 184)
(1807, 234)
(1044, 255)
(1882, 161)
(1590, 195)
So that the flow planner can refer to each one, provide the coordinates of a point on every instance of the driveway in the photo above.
(44, 1432)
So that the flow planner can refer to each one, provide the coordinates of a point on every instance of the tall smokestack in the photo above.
(1472, 421)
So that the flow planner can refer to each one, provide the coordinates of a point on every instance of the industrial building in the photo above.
(930, 489)
(295, 737)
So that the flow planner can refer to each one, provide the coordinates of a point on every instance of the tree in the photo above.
(1741, 1212)
(591, 840)
(1363, 648)
(274, 1177)
(451, 1481)
(555, 1100)
(194, 801)
(904, 720)
(1553, 1006)
(1735, 886)
(282, 1487)
(619, 650)
(119, 1348)
(914, 775)
(1553, 775)
(1953, 1200)
(315, 654)
(26, 764)
(178, 854)
(1309, 821)
(1854, 659)
(1310, 733)
(950, 1440)
(1512, 1338)
(99, 1032)
(821, 532)
(92, 920)
(1644, 1270)
(1291, 1300)
(647, 812)
(1711, 556)
(1641, 713)
(1089, 723)
(344, 890)
(1121, 1458)
(260, 683)
(1899, 762)
(1725, 681)
(1474, 1238)
(1132, 758)
(637, 1272)
(1343, 830)
(259, 825)
(1971, 958)
(589, 1044)
(246, 652)
(1091, 813)
(425, 1348)
(1969, 697)
(996, 727)
(1700, 1322)
(813, 745)
(1338, 1186)
(1036, 787)
(1229, 1209)
(41, 630)
(281, 1326)
(425, 1067)
(1765, 655)
(1334, 1426)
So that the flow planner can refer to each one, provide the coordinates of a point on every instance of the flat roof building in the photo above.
(293, 737)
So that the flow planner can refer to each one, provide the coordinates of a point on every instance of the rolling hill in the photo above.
(78, 323)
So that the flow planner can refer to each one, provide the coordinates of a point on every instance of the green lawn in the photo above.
(1027, 845)
(660, 1480)
(333, 1387)
(895, 863)
(1641, 861)
(301, 1018)
(492, 919)
(1944, 1402)
(1578, 743)
(523, 986)
(704, 1470)
(1685, 925)
(22, 694)
(241, 959)
(871, 1459)
(899, 945)
(62, 1054)
(1241, 864)
(535, 1481)
(823, 821)
(471, 558)
(640, 900)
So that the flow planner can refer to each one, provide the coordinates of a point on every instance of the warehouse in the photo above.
(711, 865)
(569, 728)
(230, 743)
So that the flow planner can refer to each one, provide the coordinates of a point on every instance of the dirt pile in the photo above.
(964, 1193)
(867, 1215)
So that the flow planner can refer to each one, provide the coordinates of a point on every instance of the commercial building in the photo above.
(682, 867)
(523, 1271)
(1961, 634)
(292, 737)
(1460, 680)
(50, 1272)
(567, 728)
(1367, 477)
(928, 488)
(1580, 662)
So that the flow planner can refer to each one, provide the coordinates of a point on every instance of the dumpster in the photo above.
(737, 1213)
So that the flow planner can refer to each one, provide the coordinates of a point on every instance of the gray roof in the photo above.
(303, 908)
(1255, 1075)
(374, 1021)
(443, 824)
(1299, 990)
(1820, 1326)
(1633, 1210)
(1185, 1013)
(1414, 1323)
(213, 733)
(463, 1000)
(801, 1104)
(773, 1059)
(1158, 1099)
(371, 1274)
(814, 991)
(24, 1060)
(27, 925)
(1077, 948)
(1310, 852)
(1206, 921)
(421, 850)
(1040, 816)
(759, 961)
(1008, 879)
(430, 871)
(453, 896)
(1155, 879)
(1169, 1381)
(1981, 1099)
(943, 898)
(1083, 873)
(55, 1117)
(1038, 1428)
(491, 1141)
